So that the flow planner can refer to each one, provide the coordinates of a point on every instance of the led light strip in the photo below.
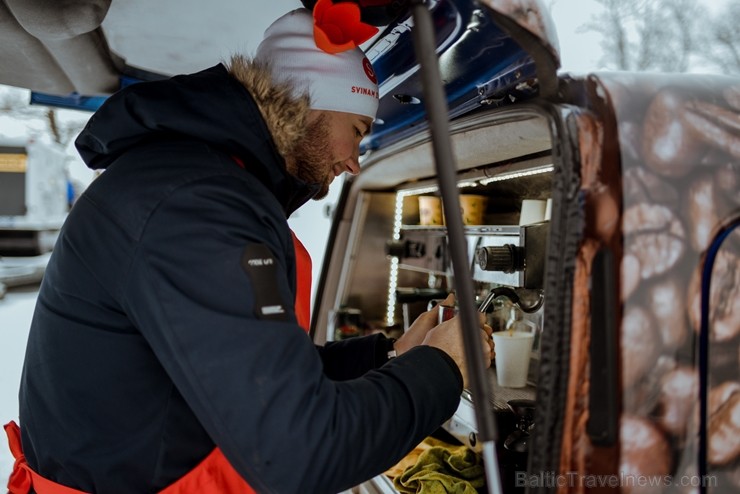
(390, 316)
(509, 176)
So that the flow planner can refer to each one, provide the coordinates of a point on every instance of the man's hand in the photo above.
(448, 338)
(421, 326)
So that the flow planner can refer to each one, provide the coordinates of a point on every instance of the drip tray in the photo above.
(462, 425)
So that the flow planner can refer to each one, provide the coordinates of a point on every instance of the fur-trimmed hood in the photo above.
(284, 113)
(238, 111)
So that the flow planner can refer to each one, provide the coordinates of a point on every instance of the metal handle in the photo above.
(437, 111)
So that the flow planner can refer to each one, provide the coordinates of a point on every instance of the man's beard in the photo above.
(311, 160)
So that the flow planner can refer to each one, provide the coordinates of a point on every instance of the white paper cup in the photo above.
(513, 349)
(533, 211)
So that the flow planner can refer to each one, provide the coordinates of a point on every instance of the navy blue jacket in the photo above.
(154, 339)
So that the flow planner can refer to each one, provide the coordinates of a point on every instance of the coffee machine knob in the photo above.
(405, 249)
(395, 248)
(507, 258)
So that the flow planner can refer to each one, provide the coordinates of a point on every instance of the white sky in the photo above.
(579, 51)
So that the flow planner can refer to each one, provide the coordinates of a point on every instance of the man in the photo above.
(166, 352)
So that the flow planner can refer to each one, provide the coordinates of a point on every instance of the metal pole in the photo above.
(437, 111)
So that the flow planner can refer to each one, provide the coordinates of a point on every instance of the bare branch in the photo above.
(51, 120)
(723, 39)
(648, 34)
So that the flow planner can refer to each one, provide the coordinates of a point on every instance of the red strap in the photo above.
(20, 479)
(213, 475)
(23, 477)
(303, 284)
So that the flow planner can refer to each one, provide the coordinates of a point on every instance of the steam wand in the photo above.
(511, 294)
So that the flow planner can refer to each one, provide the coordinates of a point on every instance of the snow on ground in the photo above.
(16, 310)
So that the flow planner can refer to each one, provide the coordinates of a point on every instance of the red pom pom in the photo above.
(338, 28)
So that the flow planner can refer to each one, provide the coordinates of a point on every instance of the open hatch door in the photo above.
(491, 53)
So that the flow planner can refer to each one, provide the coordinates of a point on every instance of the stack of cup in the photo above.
(548, 210)
(473, 208)
(533, 211)
(430, 211)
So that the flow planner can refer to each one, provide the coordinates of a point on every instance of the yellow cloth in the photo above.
(435, 467)
(410, 459)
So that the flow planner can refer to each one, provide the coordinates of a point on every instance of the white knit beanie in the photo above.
(339, 82)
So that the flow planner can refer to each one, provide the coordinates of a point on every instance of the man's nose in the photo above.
(351, 165)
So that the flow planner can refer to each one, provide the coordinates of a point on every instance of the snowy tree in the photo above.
(645, 35)
(721, 39)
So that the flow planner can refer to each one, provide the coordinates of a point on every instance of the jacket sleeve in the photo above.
(351, 358)
(248, 371)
